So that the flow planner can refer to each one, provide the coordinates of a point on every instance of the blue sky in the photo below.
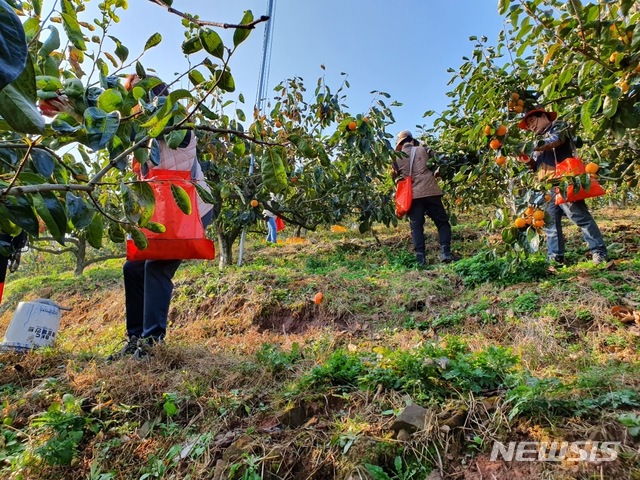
(401, 47)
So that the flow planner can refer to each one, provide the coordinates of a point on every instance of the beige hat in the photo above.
(403, 135)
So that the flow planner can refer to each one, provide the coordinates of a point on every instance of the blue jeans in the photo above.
(148, 287)
(271, 229)
(579, 214)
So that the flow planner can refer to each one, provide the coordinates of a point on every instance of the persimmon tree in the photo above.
(73, 172)
(576, 58)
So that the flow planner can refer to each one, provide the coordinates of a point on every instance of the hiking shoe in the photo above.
(420, 259)
(556, 261)
(146, 347)
(599, 257)
(448, 257)
(129, 349)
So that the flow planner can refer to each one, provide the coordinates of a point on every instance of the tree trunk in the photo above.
(81, 255)
(224, 250)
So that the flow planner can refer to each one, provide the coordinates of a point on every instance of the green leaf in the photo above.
(146, 200)
(43, 162)
(37, 7)
(241, 34)
(130, 204)
(101, 127)
(121, 51)
(80, 213)
(52, 213)
(610, 106)
(153, 40)
(181, 198)
(51, 44)
(589, 110)
(192, 45)
(227, 83)
(110, 100)
(71, 25)
(13, 45)
(18, 103)
(274, 175)
(510, 235)
(204, 194)
(20, 212)
(175, 138)
(116, 234)
(503, 5)
(95, 231)
(212, 43)
(196, 77)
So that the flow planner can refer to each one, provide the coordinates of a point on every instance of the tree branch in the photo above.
(202, 23)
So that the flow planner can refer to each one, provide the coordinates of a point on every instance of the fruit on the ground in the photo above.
(254, 203)
(592, 168)
(495, 144)
(501, 130)
(501, 160)
(352, 125)
(317, 298)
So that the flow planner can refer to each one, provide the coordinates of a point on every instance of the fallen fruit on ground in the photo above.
(317, 298)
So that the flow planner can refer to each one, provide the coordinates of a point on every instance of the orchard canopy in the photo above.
(61, 90)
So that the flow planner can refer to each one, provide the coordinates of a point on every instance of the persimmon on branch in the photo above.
(202, 23)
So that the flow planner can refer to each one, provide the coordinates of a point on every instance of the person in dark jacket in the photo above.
(427, 196)
(556, 146)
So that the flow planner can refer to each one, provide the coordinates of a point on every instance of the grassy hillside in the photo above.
(258, 381)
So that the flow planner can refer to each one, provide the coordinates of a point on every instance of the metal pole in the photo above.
(262, 87)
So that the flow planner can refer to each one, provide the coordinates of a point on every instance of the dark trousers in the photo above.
(148, 287)
(433, 207)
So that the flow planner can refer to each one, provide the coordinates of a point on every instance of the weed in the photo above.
(402, 470)
(342, 370)
(632, 422)
(525, 303)
(275, 359)
(65, 423)
(485, 267)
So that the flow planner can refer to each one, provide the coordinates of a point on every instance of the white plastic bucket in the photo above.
(34, 325)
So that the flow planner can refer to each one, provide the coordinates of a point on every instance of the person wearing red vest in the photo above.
(148, 283)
